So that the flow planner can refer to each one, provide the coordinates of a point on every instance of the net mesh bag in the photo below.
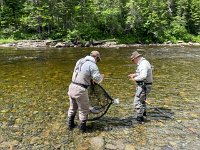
(100, 101)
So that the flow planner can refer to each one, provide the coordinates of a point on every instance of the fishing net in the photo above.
(100, 102)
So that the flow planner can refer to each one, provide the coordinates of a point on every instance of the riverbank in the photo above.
(101, 43)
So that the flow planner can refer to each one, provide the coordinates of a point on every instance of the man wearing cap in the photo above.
(143, 78)
(85, 71)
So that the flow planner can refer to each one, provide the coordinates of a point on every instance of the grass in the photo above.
(9, 40)
(196, 39)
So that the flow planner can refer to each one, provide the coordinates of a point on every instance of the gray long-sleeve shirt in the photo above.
(85, 70)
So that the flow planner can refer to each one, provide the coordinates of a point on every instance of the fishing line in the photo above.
(164, 114)
(173, 118)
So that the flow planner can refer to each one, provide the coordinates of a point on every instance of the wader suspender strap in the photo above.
(144, 90)
(77, 70)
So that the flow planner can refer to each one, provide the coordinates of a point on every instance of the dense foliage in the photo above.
(129, 21)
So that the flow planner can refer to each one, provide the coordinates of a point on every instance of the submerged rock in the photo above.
(129, 147)
(97, 143)
(166, 147)
(110, 146)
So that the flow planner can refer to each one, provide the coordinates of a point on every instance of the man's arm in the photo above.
(96, 76)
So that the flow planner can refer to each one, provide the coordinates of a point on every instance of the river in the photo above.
(34, 101)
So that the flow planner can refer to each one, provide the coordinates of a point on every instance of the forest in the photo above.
(127, 21)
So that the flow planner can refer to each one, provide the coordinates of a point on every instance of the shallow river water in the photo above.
(34, 101)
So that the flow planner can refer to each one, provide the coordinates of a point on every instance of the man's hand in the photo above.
(133, 75)
(147, 102)
(132, 79)
(92, 82)
(102, 76)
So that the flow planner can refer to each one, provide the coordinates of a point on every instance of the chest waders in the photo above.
(143, 94)
(142, 84)
(71, 123)
(77, 71)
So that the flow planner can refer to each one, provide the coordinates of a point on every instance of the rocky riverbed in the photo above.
(34, 101)
(103, 43)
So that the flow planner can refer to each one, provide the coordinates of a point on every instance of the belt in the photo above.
(148, 83)
(143, 83)
(82, 85)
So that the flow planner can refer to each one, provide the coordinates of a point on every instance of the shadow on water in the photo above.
(107, 123)
(160, 113)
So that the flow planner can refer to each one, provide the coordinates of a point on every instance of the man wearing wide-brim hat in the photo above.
(143, 78)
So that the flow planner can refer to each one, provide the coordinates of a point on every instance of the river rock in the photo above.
(120, 144)
(129, 147)
(87, 44)
(9, 145)
(110, 146)
(84, 146)
(58, 45)
(97, 143)
(1, 139)
(35, 140)
(167, 147)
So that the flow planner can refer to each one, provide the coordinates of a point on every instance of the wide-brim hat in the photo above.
(135, 55)
(95, 54)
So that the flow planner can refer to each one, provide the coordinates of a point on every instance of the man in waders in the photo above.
(143, 78)
(85, 71)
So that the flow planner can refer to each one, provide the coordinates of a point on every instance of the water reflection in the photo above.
(34, 102)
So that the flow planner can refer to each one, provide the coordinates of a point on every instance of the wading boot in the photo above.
(140, 120)
(71, 123)
(145, 113)
(82, 127)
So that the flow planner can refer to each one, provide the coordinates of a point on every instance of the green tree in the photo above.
(11, 12)
(194, 25)
(148, 19)
(143, 21)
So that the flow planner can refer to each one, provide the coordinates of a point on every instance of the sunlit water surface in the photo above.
(34, 101)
